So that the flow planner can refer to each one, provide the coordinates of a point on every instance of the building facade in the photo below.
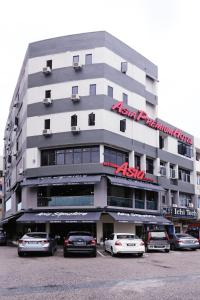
(84, 147)
(1, 185)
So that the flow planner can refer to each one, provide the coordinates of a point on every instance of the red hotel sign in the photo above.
(127, 171)
(140, 115)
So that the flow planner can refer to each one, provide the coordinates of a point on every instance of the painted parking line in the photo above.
(100, 253)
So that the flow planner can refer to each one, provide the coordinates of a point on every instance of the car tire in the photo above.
(194, 249)
(20, 254)
(140, 254)
(167, 250)
(94, 254)
(112, 253)
(65, 254)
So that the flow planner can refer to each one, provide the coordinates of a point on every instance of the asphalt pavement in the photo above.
(161, 276)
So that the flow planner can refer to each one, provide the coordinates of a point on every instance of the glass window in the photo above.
(48, 94)
(76, 59)
(184, 175)
(149, 165)
(88, 59)
(47, 124)
(184, 199)
(91, 119)
(137, 161)
(92, 89)
(123, 125)
(185, 149)
(152, 200)
(51, 158)
(125, 98)
(86, 155)
(75, 90)
(161, 142)
(115, 156)
(77, 156)
(60, 157)
(124, 67)
(74, 120)
(69, 156)
(49, 63)
(110, 91)
(94, 154)
(44, 158)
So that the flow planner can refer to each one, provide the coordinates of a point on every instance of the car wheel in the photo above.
(166, 250)
(94, 254)
(194, 249)
(111, 252)
(140, 254)
(65, 254)
(20, 254)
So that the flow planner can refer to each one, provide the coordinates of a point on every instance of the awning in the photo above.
(60, 217)
(139, 218)
(135, 184)
(8, 219)
(61, 180)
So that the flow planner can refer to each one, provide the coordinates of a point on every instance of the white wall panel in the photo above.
(32, 158)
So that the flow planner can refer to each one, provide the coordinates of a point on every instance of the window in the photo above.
(185, 199)
(48, 94)
(47, 124)
(125, 98)
(110, 91)
(75, 90)
(152, 200)
(74, 120)
(88, 59)
(124, 67)
(184, 175)
(137, 161)
(119, 196)
(185, 149)
(163, 199)
(91, 119)
(161, 142)
(139, 199)
(123, 125)
(16, 121)
(115, 156)
(149, 165)
(92, 89)
(68, 156)
(49, 63)
(9, 159)
(76, 59)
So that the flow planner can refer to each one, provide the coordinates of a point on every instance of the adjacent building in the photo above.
(84, 147)
(1, 185)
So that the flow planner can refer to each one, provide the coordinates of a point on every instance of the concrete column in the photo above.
(167, 165)
(47, 227)
(101, 153)
(157, 166)
(132, 159)
(143, 162)
(100, 193)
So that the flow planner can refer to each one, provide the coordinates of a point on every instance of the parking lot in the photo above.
(173, 275)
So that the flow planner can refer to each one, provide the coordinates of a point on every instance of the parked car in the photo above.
(79, 242)
(183, 241)
(129, 243)
(2, 237)
(194, 230)
(35, 242)
(156, 240)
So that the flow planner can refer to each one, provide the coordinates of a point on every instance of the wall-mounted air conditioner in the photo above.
(75, 97)
(77, 65)
(75, 129)
(173, 174)
(47, 132)
(47, 101)
(46, 70)
(191, 205)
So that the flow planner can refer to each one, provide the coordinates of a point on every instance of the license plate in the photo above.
(80, 243)
(130, 244)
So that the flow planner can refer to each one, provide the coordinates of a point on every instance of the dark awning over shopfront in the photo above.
(138, 218)
(135, 184)
(61, 180)
(60, 217)
(8, 219)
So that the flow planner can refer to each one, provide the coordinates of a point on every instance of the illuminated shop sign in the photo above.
(127, 171)
(140, 115)
(181, 212)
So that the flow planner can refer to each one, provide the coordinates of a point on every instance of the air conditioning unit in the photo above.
(75, 129)
(47, 132)
(174, 205)
(77, 66)
(75, 97)
(47, 101)
(163, 171)
(46, 70)
(15, 127)
(20, 172)
(191, 205)
(173, 174)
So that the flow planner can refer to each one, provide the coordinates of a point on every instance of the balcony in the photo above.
(119, 201)
(85, 200)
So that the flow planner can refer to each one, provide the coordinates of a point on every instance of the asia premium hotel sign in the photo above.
(140, 115)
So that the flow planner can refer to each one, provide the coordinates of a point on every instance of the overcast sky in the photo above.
(164, 31)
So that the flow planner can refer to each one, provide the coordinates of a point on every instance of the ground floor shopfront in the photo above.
(100, 223)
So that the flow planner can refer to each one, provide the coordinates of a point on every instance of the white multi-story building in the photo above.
(84, 105)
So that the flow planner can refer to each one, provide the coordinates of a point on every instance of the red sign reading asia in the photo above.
(127, 171)
(140, 115)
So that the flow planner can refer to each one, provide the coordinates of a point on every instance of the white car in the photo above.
(124, 243)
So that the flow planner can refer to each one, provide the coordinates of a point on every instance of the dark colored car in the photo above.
(2, 238)
(183, 241)
(79, 242)
(156, 240)
(37, 242)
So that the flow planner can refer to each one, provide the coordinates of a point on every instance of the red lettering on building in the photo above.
(142, 116)
(127, 171)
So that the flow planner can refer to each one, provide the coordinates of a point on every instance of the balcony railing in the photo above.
(119, 201)
(85, 200)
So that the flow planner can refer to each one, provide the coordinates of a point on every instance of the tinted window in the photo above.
(91, 119)
(127, 236)
(74, 120)
(158, 235)
(125, 98)
(75, 90)
(47, 124)
(92, 89)
(88, 59)
(76, 58)
(110, 91)
(35, 235)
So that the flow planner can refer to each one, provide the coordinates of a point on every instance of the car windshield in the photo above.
(35, 235)
(127, 236)
(82, 237)
(84, 233)
(182, 235)
(158, 235)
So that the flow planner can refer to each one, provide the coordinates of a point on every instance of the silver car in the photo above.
(183, 241)
(36, 242)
